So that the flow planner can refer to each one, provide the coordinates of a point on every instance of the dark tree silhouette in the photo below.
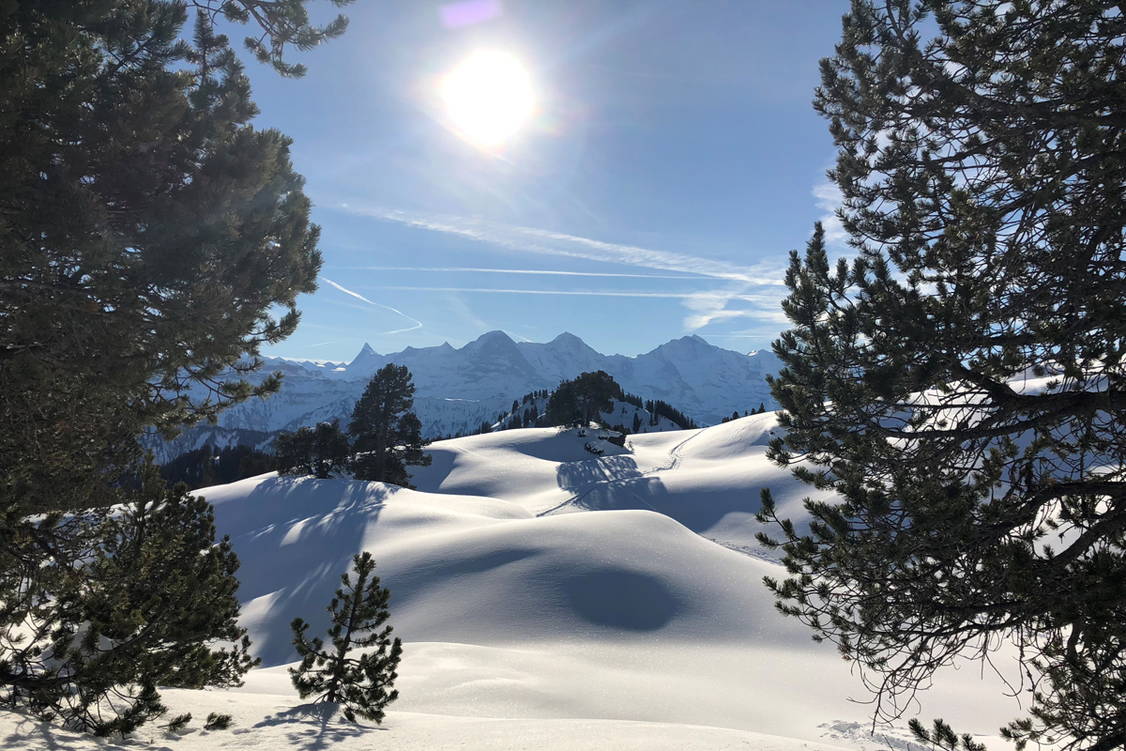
(148, 236)
(318, 451)
(961, 384)
(386, 435)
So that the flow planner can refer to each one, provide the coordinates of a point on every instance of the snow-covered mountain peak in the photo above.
(690, 343)
(492, 338)
(459, 388)
(367, 357)
(567, 339)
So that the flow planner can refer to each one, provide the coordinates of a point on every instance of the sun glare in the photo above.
(488, 97)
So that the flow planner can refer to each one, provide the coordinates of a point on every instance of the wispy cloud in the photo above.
(571, 292)
(706, 307)
(415, 323)
(547, 242)
(709, 307)
(531, 272)
(752, 291)
(829, 198)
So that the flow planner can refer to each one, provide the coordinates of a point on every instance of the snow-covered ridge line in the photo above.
(459, 388)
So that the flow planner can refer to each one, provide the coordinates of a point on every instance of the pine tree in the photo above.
(147, 235)
(89, 644)
(563, 407)
(149, 231)
(961, 383)
(318, 451)
(361, 684)
(594, 394)
(386, 435)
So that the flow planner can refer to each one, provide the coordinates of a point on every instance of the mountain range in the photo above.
(457, 389)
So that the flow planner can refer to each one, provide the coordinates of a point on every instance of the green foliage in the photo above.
(281, 23)
(217, 721)
(149, 234)
(208, 466)
(318, 451)
(981, 166)
(149, 231)
(386, 435)
(582, 400)
(941, 737)
(658, 409)
(178, 723)
(129, 599)
(363, 684)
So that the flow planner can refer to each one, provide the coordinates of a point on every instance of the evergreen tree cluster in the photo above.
(318, 451)
(525, 411)
(961, 382)
(384, 436)
(760, 409)
(658, 409)
(582, 400)
(208, 466)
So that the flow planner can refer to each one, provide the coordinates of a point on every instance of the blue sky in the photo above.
(673, 161)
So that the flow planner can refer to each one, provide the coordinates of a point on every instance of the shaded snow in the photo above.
(548, 599)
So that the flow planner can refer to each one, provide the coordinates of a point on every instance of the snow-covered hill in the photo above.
(458, 389)
(548, 598)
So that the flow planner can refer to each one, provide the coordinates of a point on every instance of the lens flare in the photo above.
(488, 98)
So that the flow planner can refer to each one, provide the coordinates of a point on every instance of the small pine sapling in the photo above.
(361, 684)
(216, 721)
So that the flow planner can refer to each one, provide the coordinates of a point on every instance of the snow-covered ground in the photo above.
(548, 598)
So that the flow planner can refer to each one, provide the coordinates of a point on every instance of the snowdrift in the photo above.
(548, 598)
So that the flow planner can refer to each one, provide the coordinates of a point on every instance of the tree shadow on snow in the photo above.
(295, 537)
(594, 483)
(316, 726)
(31, 733)
(615, 482)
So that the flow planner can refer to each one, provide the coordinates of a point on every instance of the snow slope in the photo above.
(707, 479)
(548, 598)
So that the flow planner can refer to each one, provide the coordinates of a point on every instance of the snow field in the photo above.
(528, 624)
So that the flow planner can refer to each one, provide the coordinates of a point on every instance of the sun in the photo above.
(488, 98)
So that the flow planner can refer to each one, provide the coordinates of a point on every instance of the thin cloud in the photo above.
(709, 307)
(566, 292)
(534, 272)
(705, 307)
(546, 242)
(415, 323)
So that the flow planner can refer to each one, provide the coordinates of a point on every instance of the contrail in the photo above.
(417, 324)
(546, 242)
(573, 292)
(539, 272)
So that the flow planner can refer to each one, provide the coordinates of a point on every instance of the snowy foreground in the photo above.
(548, 599)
